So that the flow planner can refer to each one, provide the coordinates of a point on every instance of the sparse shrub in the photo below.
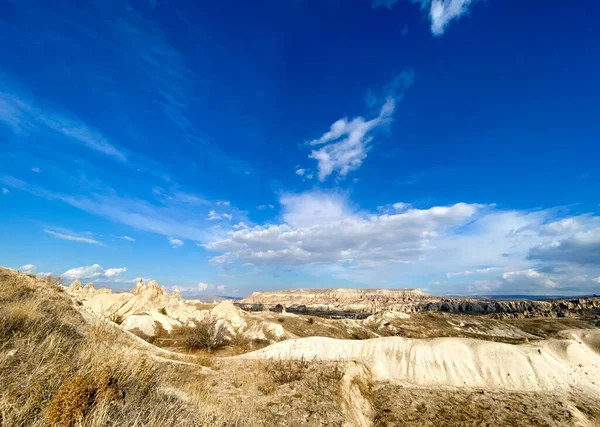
(55, 281)
(310, 320)
(72, 401)
(281, 320)
(116, 318)
(360, 334)
(283, 371)
(160, 331)
(204, 359)
(138, 332)
(206, 335)
(241, 344)
(77, 396)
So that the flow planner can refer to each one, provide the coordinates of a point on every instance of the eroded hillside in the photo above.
(67, 358)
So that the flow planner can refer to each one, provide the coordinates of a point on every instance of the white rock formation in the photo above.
(569, 363)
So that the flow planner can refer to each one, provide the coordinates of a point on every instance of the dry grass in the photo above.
(283, 371)
(206, 335)
(58, 370)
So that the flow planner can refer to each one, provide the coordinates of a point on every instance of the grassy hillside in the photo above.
(61, 365)
(58, 369)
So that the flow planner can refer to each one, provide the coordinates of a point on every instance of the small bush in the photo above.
(116, 318)
(55, 282)
(283, 371)
(72, 401)
(310, 320)
(138, 332)
(281, 320)
(160, 331)
(206, 335)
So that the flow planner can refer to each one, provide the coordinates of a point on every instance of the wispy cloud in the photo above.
(27, 268)
(169, 218)
(346, 144)
(36, 170)
(176, 243)
(71, 237)
(24, 117)
(129, 239)
(199, 287)
(444, 11)
(5, 191)
(441, 12)
(95, 272)
(112, 272)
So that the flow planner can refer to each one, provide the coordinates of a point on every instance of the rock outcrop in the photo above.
(147, 305)
(362, 302)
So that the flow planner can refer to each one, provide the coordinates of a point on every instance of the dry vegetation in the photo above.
(56, 369)
(61, 366)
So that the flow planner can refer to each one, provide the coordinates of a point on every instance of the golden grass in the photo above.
(58, 370)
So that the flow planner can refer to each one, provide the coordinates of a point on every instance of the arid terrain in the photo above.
(75, 355)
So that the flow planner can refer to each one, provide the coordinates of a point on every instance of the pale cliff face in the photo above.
(333, 296)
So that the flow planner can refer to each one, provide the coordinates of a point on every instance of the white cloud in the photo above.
(346, 144)
(263, 207)
(444, 11)
(581, 248)
(397, 245)
(200, 287)
(300, 171)
(472, 272)
(94, 272)
(129, 239)
(320, 229)
(401, 206)
(568, 225)
(441, 12)
(36, 170)
(313, 208)
(88, 272)
(27, 268)
(113, 272)
(213, 216)
(71, 237)
(528, 277)
(597, 279)
(5, 191)
(176, 243)
(224, 203)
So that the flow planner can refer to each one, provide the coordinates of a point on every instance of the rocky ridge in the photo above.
(149, 306)
(361, 302)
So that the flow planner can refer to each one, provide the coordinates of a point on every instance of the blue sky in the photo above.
(229, 148)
